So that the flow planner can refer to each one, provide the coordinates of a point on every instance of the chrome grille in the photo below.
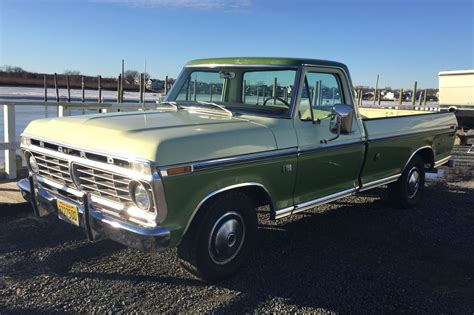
(102, 183)
(53, 168)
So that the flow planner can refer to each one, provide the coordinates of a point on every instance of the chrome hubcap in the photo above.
(413, 182)
(226, 238)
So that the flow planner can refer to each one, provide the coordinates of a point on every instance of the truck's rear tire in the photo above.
(221, 238)
(408, 190)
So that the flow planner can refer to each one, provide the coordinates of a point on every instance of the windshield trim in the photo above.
(210, 67)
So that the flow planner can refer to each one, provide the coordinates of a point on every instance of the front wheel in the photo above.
(220, 240)
(408, 191)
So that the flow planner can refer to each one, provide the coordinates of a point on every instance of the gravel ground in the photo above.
(357, 254)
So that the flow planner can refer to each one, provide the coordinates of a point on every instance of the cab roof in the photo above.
(278, 61)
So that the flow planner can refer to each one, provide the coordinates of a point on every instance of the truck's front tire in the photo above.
(408, 191)
(220, 240)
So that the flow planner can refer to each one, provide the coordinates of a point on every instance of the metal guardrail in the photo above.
(63, 109)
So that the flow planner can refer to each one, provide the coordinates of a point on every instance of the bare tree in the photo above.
(130, 76)
(13, 69)
(71, 72)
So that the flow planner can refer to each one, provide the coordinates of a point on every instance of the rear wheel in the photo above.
(220, 240)
(408, 191)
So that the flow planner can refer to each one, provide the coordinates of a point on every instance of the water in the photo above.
(25, 114)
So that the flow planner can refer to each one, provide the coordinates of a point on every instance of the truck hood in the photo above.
(165, 137)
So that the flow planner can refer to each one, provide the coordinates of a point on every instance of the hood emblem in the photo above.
(110, 160)
(82, 154)
(60, 149)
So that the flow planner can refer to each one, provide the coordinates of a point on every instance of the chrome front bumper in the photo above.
(96, 224)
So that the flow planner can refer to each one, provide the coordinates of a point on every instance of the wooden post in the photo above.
(56, 86)
(379, 97)
(118, 88)
(166, 85)
(400, 97)
(83, 90)
(45, 89)
(195, 89)
(360, 97)
(413, 95)
(99, 83)
(424, 97)
(9, 137)
(274, 90)
(68, 89)
(376, 88)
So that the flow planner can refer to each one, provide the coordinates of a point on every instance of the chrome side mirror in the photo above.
(342, 116)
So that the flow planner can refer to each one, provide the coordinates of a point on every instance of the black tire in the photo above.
(221, 238)
(408, 190)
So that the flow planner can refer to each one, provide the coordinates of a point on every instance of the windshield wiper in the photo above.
(230, 113)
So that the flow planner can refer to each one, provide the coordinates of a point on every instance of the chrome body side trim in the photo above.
(329, 146)
(380, 182)
(411, 133)
(216, 192)
(233, 160)
(313, 203)
(442, 161)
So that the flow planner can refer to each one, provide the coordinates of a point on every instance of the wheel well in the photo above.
(257, 193)
(427, 155)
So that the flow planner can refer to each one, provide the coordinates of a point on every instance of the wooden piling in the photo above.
(420, 99)
(68, 87)
(274, 90)
(424, 97)
(195, 89)
(83, 90)
(379, 97)
(99, 83)
(243, 91)
(118, 88)
(376, 88)
(140, 90)
(210, 92)
(56, 86)
(166, 85)
(400, 97)
(413, 95)
(45, 89)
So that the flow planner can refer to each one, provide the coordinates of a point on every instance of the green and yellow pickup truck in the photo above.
(233, 135)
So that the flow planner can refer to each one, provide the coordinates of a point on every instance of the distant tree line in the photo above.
(13, 75)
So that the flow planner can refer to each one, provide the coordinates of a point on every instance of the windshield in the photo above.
(261, 91)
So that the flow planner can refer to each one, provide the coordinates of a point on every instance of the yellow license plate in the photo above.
(68, 212)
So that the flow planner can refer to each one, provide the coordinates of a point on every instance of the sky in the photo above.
(402, 41)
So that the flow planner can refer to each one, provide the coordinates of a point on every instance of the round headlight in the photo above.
(140, 196)
(33, 165)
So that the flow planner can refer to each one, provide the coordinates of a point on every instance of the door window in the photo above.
(321, 91)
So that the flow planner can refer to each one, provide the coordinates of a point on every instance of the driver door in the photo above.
(329, 169)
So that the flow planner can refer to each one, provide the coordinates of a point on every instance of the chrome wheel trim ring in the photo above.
(413, 182)
(226, 238)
